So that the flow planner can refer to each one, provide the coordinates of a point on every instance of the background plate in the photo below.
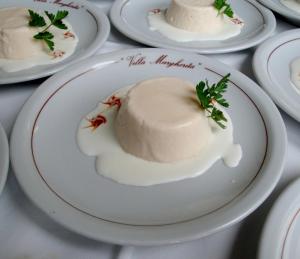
(280, 237)
(63, 181)
(130, 18)
(271, 66)
(4, 158)
(90, 24)
(278, 7)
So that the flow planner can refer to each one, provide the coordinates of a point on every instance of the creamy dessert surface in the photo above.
(194, 16)
(19, 50)
(16, 37)
(161, 120)
(192, 20)
(164, 120)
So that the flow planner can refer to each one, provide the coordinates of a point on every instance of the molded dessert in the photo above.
(161, 120)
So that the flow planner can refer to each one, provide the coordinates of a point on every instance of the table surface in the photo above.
(27, 233)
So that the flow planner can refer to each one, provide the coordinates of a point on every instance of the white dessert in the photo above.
(166, 126)
(16, 37)
(161, 115)
(194, 15)
(194, 20)
(292, 4)
(295, 73)
(19, 50)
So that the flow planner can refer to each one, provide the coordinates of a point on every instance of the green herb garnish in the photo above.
(210, 95)
(223, 8)
(37, 20)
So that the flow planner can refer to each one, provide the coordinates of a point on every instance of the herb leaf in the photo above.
(50, 16)
(61, 15)
(209, 95)
(47, 38)
(56, 20)
(224, 8)
(35, 19)
(218, 117)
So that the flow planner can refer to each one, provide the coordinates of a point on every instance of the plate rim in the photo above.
(269, 28)
(284, 11)
(134, 235)
(271, 236)
(260, 60)
(101, 37)
(4, 152)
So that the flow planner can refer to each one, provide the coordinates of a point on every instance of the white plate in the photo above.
(280, 237)
(278, 7)
(271, 65)
(4, 158)
(89, 22)
(63, 181)
(130, 18)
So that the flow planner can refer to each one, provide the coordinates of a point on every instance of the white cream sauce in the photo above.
(158, 22)
(291, 4)
(114, 163)
(66, 45)
(295, 73)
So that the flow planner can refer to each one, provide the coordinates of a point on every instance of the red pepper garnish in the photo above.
(69, 34)
(95, 122)
(237, 21)
(155, 11)
(58, 53)
(113, 101)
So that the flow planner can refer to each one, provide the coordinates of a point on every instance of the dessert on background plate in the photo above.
(29, 38)
(196, 20)
(160, 130)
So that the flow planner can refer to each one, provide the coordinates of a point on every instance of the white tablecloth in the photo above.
(27, 233)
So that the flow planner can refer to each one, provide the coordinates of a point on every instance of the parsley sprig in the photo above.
(209, 95)
(37, 20)
(223, 8)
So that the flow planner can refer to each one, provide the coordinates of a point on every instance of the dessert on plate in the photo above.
(196, 20)
(28, 38)
(160, 130)
(165, 126)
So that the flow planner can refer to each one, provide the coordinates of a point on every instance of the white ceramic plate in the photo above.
(63, 181)
(4, 158)
(280, 237)
(278, 7)
(271, 65)
(130, 18)
(89, 22)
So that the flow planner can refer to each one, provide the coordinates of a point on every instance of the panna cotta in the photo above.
(16, 41)
(194, 15)
(19, 49)
(292, 4)
(194, 20)
(166, 126)
(155, 132)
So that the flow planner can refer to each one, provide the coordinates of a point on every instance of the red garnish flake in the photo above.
(237, 21)
(213, 101)
(69, 34)
(97, 121)
(58, 53)
(155, 11)
(113, 101)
